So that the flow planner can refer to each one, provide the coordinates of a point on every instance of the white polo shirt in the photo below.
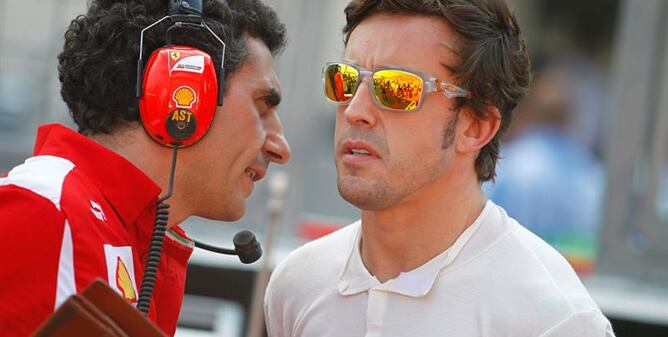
(497, 279)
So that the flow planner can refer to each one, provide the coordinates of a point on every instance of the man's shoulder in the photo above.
(527, 270)
(544, 259)
(322, 253)
(314, 264)
(38, 177)
(582, 323)
(504, 242)
(53, 184)
(522, 269)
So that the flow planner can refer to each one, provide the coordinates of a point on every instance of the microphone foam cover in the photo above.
(247, 247)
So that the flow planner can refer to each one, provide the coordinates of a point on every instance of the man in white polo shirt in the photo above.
(424, 91)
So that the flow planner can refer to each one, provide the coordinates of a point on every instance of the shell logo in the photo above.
(124, 282)
(184, 97)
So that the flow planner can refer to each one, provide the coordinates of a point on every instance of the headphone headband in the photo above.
(185, 7)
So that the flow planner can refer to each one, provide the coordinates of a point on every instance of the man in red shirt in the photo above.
(84, 206)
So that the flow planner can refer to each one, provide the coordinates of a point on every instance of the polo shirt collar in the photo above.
(125, 187)
(355, 278)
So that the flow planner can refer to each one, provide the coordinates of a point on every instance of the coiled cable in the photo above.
(155, 248)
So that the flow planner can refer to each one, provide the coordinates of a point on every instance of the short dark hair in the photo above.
(494, 65)
(98, 64)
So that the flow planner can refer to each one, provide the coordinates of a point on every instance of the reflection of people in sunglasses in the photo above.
(338, 85)
(431, 256)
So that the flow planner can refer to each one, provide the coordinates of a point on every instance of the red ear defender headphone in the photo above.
(178, 88)
(178, 93)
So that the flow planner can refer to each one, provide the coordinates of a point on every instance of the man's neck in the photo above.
(132, 143)
(422, 226)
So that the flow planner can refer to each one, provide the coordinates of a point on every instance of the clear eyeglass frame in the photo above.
(429, 85)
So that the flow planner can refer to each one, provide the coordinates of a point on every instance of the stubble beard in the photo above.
(380, 193)
(367, 194)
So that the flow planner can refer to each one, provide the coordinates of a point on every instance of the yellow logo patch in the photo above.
(121, 271)
(124, 282)
(184, 97)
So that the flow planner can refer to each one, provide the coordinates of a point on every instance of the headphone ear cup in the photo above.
(179, 95)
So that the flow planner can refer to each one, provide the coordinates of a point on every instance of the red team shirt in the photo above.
(74, 212)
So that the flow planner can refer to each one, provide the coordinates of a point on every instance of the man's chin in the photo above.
(236, 213)
(235, 217)
(362, 193)
(227, 213)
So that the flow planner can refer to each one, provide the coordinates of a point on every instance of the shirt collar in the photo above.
(355, 278)
(125, 187)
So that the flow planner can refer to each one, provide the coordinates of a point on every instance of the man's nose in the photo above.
(275, 146)
(361, 110)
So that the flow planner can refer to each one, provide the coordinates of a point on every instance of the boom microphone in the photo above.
(246, 247)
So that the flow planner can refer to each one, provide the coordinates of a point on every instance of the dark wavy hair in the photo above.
(98, 64)
(494, 64)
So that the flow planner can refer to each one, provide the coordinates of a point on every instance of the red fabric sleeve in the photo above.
(32, 231)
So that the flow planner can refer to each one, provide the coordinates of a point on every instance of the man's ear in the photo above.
(476, 132)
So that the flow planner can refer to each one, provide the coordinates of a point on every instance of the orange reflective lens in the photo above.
(393, 88)
(340, 82)
(397, 89)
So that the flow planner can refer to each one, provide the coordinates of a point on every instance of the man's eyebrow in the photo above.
(452, 68)
(271, 96)
(448, 65)
(449, 48)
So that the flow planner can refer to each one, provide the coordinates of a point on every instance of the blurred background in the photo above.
(585, 165)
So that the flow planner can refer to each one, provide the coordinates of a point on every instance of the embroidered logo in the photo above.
(97, 211)
(121, 272)
(124, 282)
